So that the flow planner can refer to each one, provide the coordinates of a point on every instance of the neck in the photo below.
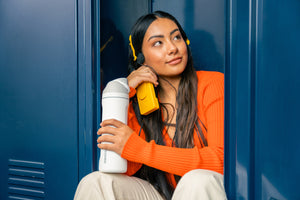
(169, 87)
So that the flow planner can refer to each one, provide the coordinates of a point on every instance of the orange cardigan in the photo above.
(178, 161)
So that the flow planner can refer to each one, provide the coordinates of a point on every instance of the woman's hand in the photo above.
(117, 135)
(142, 74)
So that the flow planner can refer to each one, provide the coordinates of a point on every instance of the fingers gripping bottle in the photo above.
(115, 102)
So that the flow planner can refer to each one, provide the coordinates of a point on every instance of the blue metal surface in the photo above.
(46, 99)
(277, 152)
(204, 24)
(117, 18)
(96, 78)
(87, 150)
(26, 179)
(261, 129)
(239, 102)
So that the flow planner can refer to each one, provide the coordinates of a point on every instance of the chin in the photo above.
(172, 73)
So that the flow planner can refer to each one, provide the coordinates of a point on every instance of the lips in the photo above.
(175, 61)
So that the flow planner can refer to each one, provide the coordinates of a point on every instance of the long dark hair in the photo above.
(187, 120)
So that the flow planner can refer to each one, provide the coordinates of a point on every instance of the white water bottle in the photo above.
(115, 102)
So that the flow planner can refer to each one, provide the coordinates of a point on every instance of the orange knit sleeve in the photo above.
(132, 92)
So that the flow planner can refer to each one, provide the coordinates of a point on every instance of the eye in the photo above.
(177, 37)
(157, 43)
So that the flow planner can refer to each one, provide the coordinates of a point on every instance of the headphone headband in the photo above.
(132, 48)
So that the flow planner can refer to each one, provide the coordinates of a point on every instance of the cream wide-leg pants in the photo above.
(195, 185)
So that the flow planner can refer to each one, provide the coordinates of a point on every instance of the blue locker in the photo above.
(262, 100)
(45, 97)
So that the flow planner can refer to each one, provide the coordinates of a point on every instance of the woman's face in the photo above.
(164, 48)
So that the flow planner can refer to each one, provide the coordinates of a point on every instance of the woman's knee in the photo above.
(201, 180)
(115, 186)
(91, 178)
(97, 178)
(201, 177)
(200, 184)
(97, 185)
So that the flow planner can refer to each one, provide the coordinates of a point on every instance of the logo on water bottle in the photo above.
(105, 152)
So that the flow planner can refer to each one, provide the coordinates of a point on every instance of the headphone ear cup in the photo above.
(140, 59)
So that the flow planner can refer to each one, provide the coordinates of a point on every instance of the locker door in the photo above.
(38, 99)
(262, 100)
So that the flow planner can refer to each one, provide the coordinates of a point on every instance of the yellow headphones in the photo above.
(187, 41)
(132, 48)
(133, 51)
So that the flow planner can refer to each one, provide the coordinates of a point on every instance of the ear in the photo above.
(140, 59)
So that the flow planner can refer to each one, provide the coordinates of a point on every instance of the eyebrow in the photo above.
(161, 36)
(174, 31)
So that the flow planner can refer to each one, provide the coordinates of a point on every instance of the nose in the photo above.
(172, 48)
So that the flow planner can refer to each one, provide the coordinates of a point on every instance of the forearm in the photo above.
(173, 160)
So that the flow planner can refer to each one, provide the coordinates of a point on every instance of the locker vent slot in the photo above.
(26, 180)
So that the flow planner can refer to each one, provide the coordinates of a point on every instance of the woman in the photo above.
(176, 151)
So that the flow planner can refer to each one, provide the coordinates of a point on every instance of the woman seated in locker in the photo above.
(177, 151)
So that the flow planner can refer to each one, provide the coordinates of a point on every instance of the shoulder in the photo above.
(209, 76)
(210, 86)
(210, 79)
